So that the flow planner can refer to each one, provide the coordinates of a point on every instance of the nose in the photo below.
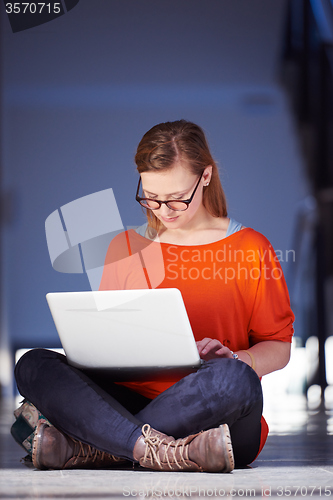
(165, 211)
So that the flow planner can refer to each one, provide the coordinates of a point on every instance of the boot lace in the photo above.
(174, 452)
(90, 454)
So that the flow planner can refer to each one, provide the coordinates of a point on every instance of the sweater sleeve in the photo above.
(272, 317)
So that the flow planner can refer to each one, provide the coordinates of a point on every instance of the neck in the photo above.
(204, 228)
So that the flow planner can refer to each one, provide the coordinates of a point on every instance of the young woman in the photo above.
(238, 306)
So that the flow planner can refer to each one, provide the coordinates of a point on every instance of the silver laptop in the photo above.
(127, 332)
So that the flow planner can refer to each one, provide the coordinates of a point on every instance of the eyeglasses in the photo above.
(177, 205)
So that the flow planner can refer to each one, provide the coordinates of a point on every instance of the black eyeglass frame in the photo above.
(160, 203)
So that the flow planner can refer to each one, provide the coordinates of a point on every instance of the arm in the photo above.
(270, 322)
(269, 355)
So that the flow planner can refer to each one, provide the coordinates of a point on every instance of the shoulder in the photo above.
(256, 249)
(250, 237)
(119, 239)
(251, 242)
(123, 237)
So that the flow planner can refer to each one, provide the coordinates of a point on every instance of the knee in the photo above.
(29, 366)
(249, 384)
(238, 378)
(251, 381)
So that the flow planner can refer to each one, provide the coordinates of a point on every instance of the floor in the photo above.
(297, 461)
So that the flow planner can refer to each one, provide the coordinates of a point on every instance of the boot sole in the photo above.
(227, 448)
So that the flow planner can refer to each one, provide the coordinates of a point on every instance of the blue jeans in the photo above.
(109, 417)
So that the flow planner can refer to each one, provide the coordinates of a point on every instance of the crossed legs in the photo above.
(110, 417)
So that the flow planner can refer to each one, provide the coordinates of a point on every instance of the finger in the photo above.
(202, 344)
(208, 347)
(224, 352)
(212, 346)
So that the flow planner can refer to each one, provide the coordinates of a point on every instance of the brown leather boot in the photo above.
(51, 449)
(208, 451)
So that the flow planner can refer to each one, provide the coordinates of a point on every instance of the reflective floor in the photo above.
(297, 461)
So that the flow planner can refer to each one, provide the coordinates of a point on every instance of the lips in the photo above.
(169, 219)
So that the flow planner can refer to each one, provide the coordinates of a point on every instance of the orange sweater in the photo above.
(233, 289)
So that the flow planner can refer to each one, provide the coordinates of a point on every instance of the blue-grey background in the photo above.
(79, 92)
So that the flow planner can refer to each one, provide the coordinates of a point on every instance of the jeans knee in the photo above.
(238, 378)
(253, 382)
(28, 367)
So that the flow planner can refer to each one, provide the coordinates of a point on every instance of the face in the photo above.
(175, 183)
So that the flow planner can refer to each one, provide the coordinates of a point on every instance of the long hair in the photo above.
(181, 140)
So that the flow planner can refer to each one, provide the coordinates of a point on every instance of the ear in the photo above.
(207, 175)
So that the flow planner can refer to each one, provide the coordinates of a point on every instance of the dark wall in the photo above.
(79, 92)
